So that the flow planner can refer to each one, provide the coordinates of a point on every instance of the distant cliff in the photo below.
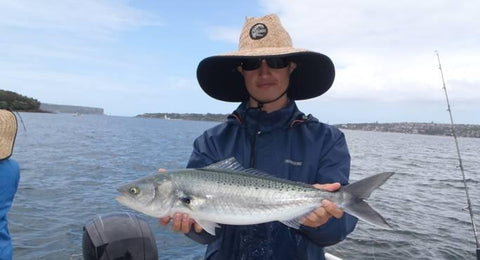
(70, 109)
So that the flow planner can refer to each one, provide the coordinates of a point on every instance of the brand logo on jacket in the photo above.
(292, 162)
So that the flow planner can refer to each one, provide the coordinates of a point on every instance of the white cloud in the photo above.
(72, 52)
(86, 17)
(46, 31)
(384, 50)
(62, 51)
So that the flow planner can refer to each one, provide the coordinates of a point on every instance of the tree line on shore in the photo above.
(16, 102)
(461, 130)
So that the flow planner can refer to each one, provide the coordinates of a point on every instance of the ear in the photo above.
(292, 66)
(239, 69)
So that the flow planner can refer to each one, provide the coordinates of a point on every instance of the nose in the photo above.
(264, 68)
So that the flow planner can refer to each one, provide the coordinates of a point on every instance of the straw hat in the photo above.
(260, 37)
(8, 132)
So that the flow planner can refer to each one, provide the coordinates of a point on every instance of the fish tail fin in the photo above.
(357, 192)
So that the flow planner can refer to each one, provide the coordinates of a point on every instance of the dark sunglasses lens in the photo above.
(251, 64)
(277, 63)
(274, 63)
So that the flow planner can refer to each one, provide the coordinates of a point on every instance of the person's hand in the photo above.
(328, 209)
(181, 223)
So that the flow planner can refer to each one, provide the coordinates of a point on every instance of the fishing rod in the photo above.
(459, 159)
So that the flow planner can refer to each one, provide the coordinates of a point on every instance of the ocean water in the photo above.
(72, 165)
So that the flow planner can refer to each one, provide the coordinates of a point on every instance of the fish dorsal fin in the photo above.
(227, 164)
(231, 164)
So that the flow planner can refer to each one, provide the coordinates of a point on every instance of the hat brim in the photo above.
(8, 132)
(219, 78)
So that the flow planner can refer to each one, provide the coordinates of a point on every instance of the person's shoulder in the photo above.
(9, 163)
(218, 128)
(320, 126)
(232, 121)
(224, 128)
(11, 167)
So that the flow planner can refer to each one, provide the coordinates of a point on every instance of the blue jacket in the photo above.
(9, 178)
(286, 144)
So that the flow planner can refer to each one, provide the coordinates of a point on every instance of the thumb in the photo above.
(328, 187)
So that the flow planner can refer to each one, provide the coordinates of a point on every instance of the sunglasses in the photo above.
(274, 63)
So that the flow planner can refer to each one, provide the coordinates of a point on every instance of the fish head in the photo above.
(151, 195)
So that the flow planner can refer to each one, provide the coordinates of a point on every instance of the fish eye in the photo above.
(185, 200)
(134, 190)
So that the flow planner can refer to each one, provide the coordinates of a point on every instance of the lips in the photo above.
(265, 84)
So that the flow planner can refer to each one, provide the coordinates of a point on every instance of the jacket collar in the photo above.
(262, 121)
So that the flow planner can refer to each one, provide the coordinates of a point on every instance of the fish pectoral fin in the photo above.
(297, 221)
(293, 223)
(208, 226)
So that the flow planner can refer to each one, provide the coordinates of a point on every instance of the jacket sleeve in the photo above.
(334, 167)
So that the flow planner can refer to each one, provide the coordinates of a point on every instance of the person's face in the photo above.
(266, 84)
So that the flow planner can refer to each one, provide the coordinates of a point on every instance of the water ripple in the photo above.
(71, 167)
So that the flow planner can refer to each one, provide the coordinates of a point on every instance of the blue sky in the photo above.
(134, 57)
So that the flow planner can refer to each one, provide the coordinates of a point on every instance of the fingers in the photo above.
(328, 187)
(164, 221)
(317, 218)
(186, 224)
(181, 223)
(177, 222)
(197, 227)
(322, 214)
(331, 209)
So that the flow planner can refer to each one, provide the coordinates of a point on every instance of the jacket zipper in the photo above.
(253, 140)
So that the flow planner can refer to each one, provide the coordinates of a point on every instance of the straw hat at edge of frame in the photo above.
(8, 132)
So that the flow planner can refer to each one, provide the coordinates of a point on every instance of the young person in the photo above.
(268, 132)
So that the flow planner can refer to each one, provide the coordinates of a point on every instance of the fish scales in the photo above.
(235, 193)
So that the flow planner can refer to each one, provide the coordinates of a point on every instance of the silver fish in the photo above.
(226, 193)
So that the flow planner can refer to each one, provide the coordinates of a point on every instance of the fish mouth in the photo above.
(126, 201)
(129, 203)
(122, 200)
(133, 204)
